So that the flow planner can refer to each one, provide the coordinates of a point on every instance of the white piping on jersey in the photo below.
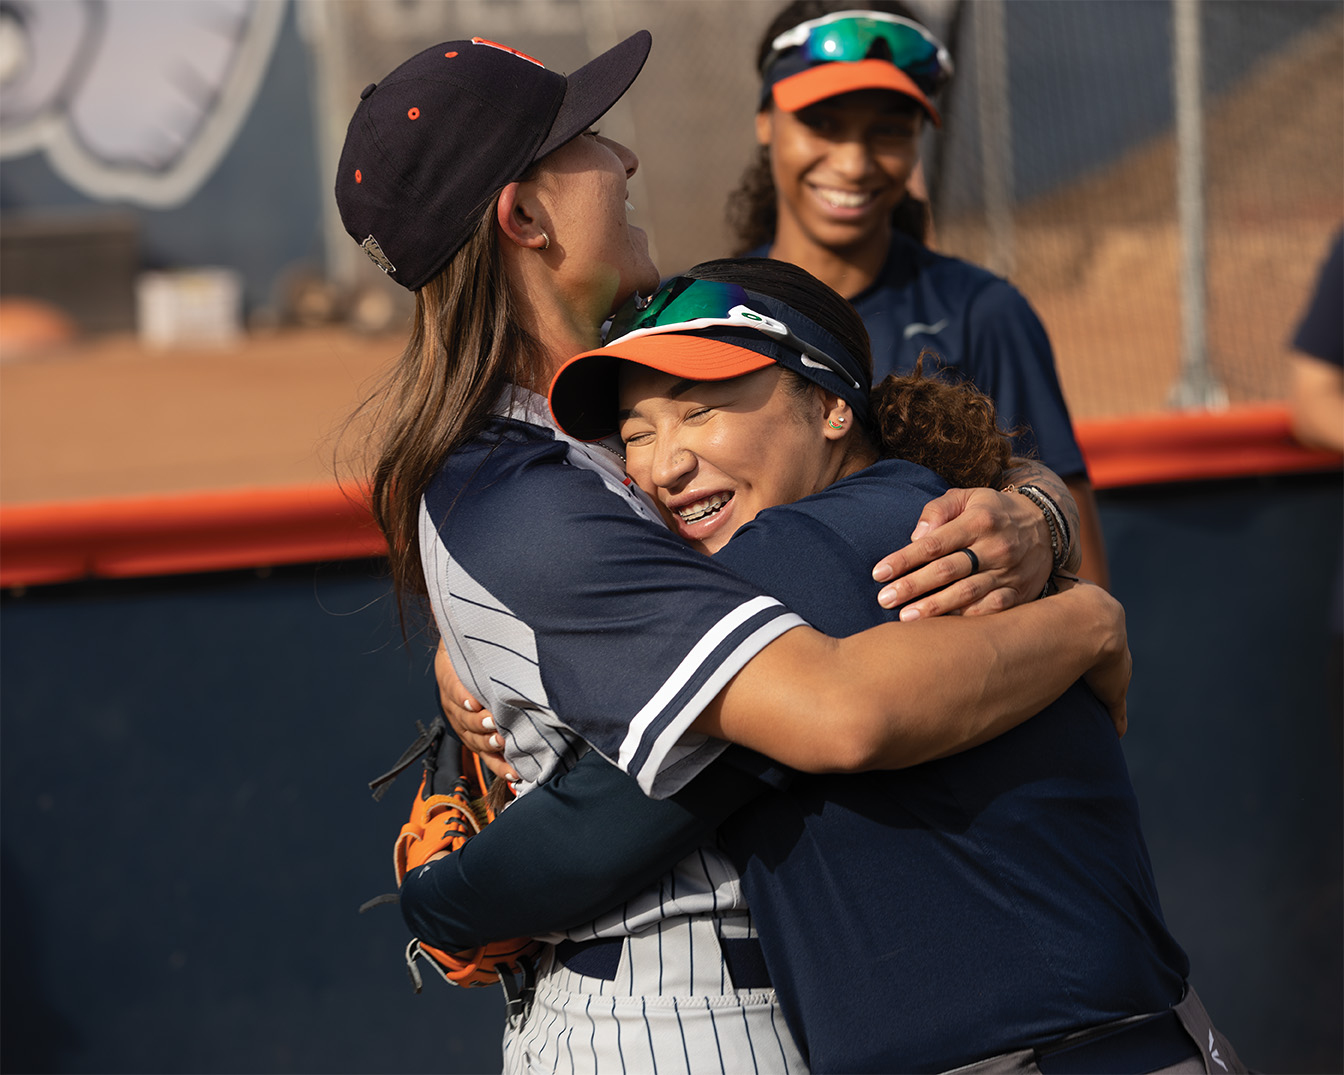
(524, 405)
(692, 663)
(676, 742)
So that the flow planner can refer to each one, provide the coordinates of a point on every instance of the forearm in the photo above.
(565, 853)
(901, 694)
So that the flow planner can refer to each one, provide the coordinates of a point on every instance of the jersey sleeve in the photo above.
(1012, 361)
(579, 623)
(568, 851)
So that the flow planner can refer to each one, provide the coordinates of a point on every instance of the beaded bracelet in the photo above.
(1061, 539)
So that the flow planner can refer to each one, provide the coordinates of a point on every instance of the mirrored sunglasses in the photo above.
(849, 36)
(686, 304)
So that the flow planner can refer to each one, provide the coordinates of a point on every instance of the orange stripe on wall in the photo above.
(251, 528)
(171, 535)
(1147, 449)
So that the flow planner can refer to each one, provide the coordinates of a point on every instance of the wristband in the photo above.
(1060, 538)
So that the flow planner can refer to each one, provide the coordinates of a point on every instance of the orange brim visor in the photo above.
(584, 394)
(832, 79)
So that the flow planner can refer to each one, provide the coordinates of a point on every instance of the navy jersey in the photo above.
(996, 899)
(983, 331)
(574, 619)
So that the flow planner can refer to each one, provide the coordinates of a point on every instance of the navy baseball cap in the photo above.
(430, 144)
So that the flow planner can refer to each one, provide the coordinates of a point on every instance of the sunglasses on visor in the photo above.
(849, 36)
(686, 304)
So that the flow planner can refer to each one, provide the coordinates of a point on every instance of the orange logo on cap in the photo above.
(505, 48)
(413, 113)
(359, 176)
(449, 55)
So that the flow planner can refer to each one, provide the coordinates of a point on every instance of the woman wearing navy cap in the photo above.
(472, 176)
(845, 95)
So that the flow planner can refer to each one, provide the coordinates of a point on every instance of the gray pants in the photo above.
(1211, 1053)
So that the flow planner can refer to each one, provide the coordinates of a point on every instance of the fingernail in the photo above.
(909, 615)
(488, 723)
(497, 742)
(511, 778)
(882, 572)
(920, 531)
(469, 704)
(887, 598)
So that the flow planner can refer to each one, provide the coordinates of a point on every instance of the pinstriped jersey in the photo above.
(579, 620)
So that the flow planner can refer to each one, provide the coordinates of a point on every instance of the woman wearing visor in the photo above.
(994, 908)
(472, 176)
(845, 95)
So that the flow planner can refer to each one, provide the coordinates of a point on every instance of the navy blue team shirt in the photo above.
(994, 900)
(911, 921)
(983, 331)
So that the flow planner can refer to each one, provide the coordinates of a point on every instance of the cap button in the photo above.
(364, 93)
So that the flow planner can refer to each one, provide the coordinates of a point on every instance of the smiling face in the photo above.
(713, 454)
(840, 167)
(601, 257)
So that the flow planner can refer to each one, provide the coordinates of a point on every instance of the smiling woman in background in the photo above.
(845, 96)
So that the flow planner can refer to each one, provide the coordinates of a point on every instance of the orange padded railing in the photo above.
(252, 528)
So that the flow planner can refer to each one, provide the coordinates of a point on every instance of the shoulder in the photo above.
(817, 553)
(850, 504)
(513, 490)
(508, 462)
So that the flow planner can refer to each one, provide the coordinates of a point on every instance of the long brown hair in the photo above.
(753, 208)
(465, 347)
(952, 429)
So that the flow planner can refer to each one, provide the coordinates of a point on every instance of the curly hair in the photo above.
(753, 211)
(951, 429)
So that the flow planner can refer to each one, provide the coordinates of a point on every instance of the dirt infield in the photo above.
(108, 418)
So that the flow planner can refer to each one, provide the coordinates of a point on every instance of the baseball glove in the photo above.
(450, 807)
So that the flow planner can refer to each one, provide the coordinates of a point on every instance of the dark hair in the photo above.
(950, 429)
(753, 208)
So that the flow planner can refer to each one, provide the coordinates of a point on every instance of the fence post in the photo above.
(1197, 388)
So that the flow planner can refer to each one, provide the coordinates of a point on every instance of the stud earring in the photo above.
(836, 423)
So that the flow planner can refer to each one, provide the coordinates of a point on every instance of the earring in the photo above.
(836, 423)
(548, 241)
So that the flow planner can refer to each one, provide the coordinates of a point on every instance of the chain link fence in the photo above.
(1057, 165)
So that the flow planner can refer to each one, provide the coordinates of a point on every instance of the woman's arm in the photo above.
(566, 852)
(887, 700)
(900, 694)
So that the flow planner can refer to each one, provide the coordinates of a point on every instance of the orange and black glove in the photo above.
(450, 807)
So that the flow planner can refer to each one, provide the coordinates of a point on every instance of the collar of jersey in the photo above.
(523, 405)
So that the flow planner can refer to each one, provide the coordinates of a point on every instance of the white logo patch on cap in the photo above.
(370, 246)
